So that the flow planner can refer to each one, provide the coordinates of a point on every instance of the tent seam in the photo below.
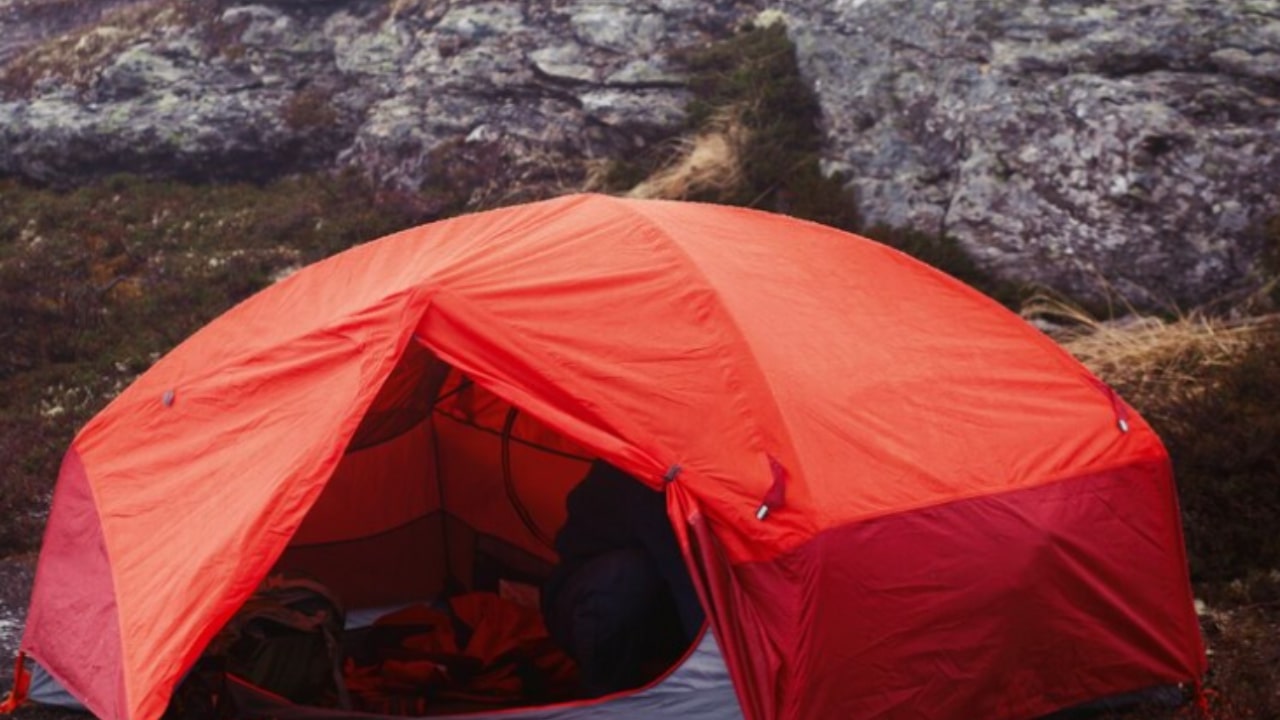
(738, 335)
(1065, 477)
(111, 569)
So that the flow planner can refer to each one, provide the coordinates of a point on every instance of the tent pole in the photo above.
(436, 376)
(449, 582)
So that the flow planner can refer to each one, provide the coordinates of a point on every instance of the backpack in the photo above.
(202, 693)
(287, 639)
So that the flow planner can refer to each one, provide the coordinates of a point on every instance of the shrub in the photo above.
(310, 108)
(1225, 445)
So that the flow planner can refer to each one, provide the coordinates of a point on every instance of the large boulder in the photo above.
(1124, 147)
(409, 91)
(1102, 148)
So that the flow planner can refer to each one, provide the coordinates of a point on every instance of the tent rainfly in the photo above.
(896, 498)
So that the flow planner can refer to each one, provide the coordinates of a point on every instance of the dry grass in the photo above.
(1156, 362)
(709, 162)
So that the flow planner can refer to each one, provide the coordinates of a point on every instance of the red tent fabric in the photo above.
(897, 498)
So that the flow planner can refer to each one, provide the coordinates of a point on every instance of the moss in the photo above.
(755, 74)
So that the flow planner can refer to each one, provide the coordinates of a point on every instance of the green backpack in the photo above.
(287, 639)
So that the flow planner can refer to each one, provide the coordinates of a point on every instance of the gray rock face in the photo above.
(1123, 146)
(402, 89)
(1094, 146)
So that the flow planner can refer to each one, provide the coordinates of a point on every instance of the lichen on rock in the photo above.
(1098, 148)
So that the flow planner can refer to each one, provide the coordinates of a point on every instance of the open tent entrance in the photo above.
(447, 491)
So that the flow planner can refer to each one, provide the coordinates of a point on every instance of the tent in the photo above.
(896, 498)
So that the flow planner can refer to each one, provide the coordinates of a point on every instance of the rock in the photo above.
(618, 27)
(621, 108)
(564, 62)
(482, 21)
(642, 73)
(26, 24)
(1095, 147)
(262, 26)
(1098, 148)
(399, 90)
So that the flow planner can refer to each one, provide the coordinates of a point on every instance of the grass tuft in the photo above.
(1161, 362)
(707, 164)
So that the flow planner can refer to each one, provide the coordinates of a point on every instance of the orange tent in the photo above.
(896, 497)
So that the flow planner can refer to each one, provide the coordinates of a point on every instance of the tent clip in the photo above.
(167, 398)
(672, 473)
(763, 512)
